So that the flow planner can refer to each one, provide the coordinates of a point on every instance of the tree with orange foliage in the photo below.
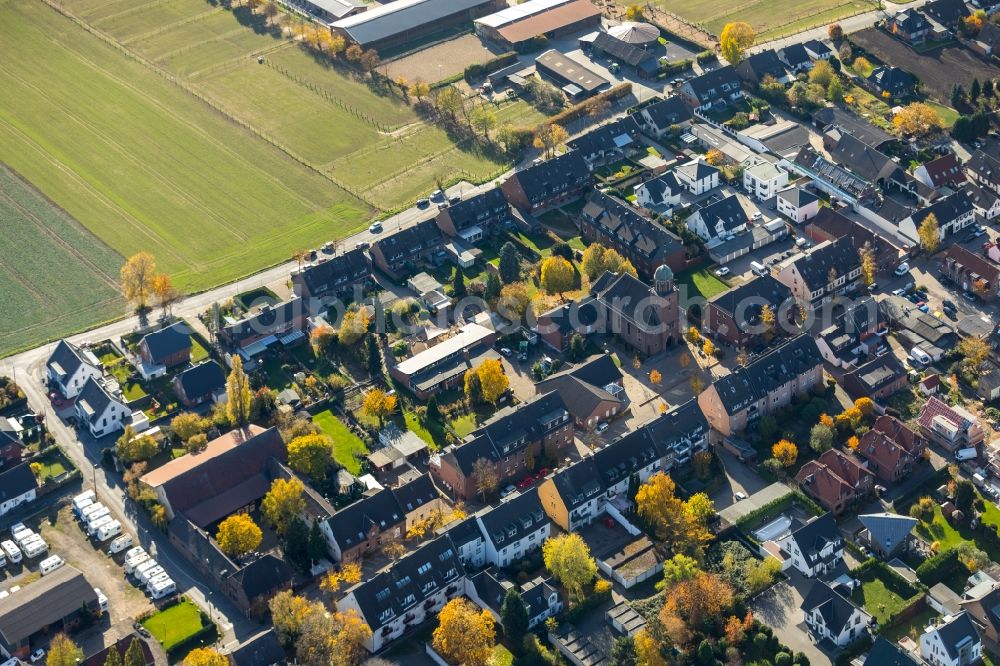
(704, 597)
(734, 630)
(853, 442)
(655, 377)
(826, 420)
(785, 452)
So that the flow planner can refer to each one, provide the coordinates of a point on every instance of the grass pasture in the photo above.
(80, 272)
(770, 19)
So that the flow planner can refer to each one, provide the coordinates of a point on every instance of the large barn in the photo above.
(551, 18)
(397, 23)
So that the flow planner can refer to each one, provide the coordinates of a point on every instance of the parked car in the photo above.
(437, 195)
(507, 490)
(37, 655)
(375, 227)
(898, 292)
(423, 203)
(722, 272)
(902, 269)
(948, 305)
(740, 496)
(969, 296)
(602, 427)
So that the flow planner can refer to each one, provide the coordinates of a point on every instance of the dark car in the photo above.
(948, 305)
(969, 296)
(423, 203)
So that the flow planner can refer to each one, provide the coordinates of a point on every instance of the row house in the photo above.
(855, 336)
(835, 480)
(953, 213)
(609, 142)
(823, 271)
(944, 171)
(573, 497)
(540, 596)
(70, 367)
(513, 440)
(399, 254)
(647, 244)
(973, 272)
(734, 316)
(877, 379)
(903, 435)
(513, 529)
(550, 183)
(764, 385)
(829, 225)
(984, 169)
(283, 323)
(476, 217)
(332, 277)
(985, 202)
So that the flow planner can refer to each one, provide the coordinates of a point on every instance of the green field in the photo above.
(770, 19)
(80, 272)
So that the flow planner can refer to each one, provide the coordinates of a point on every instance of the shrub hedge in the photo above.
(480, 69)
(935, 569)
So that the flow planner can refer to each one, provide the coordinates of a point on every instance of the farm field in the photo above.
(80, 272)
(938, 69)
(770, 19)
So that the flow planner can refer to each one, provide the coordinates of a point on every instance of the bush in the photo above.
(935, 569)
(760, 641)
(481, 69)
(782, 659)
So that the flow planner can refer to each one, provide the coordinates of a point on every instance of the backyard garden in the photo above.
(180, 628)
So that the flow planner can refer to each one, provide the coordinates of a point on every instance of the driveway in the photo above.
(779, 609)
(739, 478)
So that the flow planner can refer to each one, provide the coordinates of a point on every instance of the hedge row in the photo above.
(675, 66)
(593, 600)
(778, 505)
(935, 569)
(580, 110)
(480, 69)
(888, 575)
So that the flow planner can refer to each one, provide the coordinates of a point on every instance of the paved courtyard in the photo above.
(778, 608)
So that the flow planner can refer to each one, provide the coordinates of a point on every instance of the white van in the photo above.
(120, 544)
(151, 573)
(97, 524)
(11, 550)
(144, 566)
(50, 564)
(102, 600)
(758, 268)
(112, 529)
(132, 564)
(966, 454)
(163, 589)
(921, 356)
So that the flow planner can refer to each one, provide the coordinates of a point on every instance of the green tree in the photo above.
(623, 652)
(510, 263)
(132, 447)
(493, 286)
(678, 569)
(483, 120)
(134, 655)
(373, 356)
(835, 91)
(238, 394)
(514, 617)
(458, 283)
(821, 438)
(577, 347)
(975, 90)
(114, 658)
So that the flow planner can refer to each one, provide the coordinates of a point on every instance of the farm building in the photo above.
(551, 18)
(403, 21)
(329, 11)
(643, 61)
(575, 80)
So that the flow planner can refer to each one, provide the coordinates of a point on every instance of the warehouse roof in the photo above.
(44, 602)
(547, 21)
(557, 64)
(520, 12)
(399, 16)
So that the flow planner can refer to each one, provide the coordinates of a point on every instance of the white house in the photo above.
(953, 213)
(69, 367)
(488, 589)
(953, 641)
(99, 410)
(763, 179)
(816, 547)
(984, 201)
(17, 487)
(514, 528)
(698, 176)
(831, 616)
(719, 221)
(659, 193)
(797, 204)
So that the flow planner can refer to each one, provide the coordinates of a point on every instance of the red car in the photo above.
(542, 473)
(525, 482)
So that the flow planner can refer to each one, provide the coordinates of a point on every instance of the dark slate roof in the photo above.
(270, 317)
(465, 532)
(263, 576)
(492, 590)
(716, 84)
(561, 174)
(350, 525)
(510, 429)
(795, 55)
(44, 602)
(815, 535)
(910, 20)
(684, 421)
(985, 165)
(513, 520)
(767, 372)
(990, 35)
(578, 483)
(887, 653)
(814, 266)
(947, 12)
(397, 18)
(760, 65)
(410, 241)
(122, 646)
(981, 196)
(817, 47)
(752, 295)
(65, 359)
(639, 235)
(599, 370)
(835, 609)
(876, 374)
(853, 125)
(667, 112)
(955, 631)
(626, 53)
(167, 341)
(202, 379)
(625, 294)
(608, 137)
(408, 582)
(946, 210)
(893, 79)
(888, 529)
(96, 398)
(342, 269)
(581, 398)
(860, 158)
(797, 196)
(483, 206)
(724, 216)
(658, 186)
(567, 316)
(16, 481)
(264, 649)
(416, 493)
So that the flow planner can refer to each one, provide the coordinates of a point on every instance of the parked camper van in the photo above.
(23, 535)
(89, 510)
(11, 550)
(150, 573)
(921, 356)
(132, 564)
(120, 544)
(102, 600)
(82, 501)
(146, 565)
(50, 564)
(109, 530)
(966, 454)
(100, 514)
(156, 580)
(163, 589)
(35, 548)
(97, 524)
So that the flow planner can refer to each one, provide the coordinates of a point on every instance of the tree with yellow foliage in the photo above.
(493, 382)
(548, 137)
(137, 275)
(735, 39)
(63, 652)
(929, 234)
(283, 503)
(862, 66)
(204, 657)
(647, 649)
(767, 317)
(827, 420)
(353, 327)
(419, 89)
(350, 631)
(655, 377)
(681, 525)
(465, 634)
(165, 291)
(634, 13)
(238, 535)
(853, 442)
(785, 452)
(568, 558)
(557, 275)
(866, 406)
(311, 455)
(378, 404)
(867, 258)
(715, 157)
(350, 574)
(238, 395)
(707, 348)
(692, 335)
(597, 259)
(917, 119)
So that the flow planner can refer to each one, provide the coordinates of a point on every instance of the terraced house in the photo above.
(399, 254)
(476, 217)
(765, 384)
(824, 271)
(332, 276)
(734, 316)
(513, 440)
(550, 183)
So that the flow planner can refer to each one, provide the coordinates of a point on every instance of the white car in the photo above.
(375, 227)
(602, 427)
(722, 272)
(37, 655)
(740, 496)
(902, 269)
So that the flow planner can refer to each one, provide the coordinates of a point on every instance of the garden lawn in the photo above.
(940, 530)
(52, 466)
(347, 447)
(174, 625)
(879, 595)
(948, 114)
(464, 424)
(701, 282)
(198, 351)
(432, 433)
